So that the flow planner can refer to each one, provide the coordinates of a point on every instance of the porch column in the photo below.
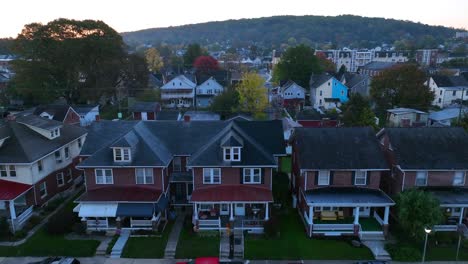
(12, 209)
(231, 213)
(267, 217)
(356, 215)
(195, 211)
(311, 215)
(386, 214)
(462, 210)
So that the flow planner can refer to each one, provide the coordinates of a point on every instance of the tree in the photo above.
(4, 228)
(134, 77)
(226, 103)
(463, 122)
(78, 60)
(297, 64)
(154, 60)
(401, 86)
(193, 52)
(417, 209)
(357, 112)
(150, 95)
(325, 64)
(252, 94)
(206, 64)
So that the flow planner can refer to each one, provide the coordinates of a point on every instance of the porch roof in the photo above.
(97, 210)
(347, 196)
(11, 190)
(142, 209)
(232, 193)
(121, 194)
(451, 196)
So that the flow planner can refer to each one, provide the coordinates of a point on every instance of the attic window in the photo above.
(55, 133)
(122, 154)
(232, 154)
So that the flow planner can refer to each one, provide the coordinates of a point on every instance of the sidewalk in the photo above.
(169, 252)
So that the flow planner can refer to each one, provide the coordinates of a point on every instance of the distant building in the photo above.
(406, 117)
(461, 34)
(178, 92)
(391, 56)
(292, 95)
(445, 117)
(448, 90)
(144, 110)
(375, 68)
(356, 83)
(206, 91)
(87, 113)
(201, 116)
(427, 57)
(313, 118)
(58, 112)
(327, 92)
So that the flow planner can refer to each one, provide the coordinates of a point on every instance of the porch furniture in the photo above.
(328, 216)
(203, 216)
(340, 215)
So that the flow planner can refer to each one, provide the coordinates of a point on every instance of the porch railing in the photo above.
(97, 224)
(24, 216)
(378, 218)
(209, 224)
(144, 223)
(333, 227)
(445, 228)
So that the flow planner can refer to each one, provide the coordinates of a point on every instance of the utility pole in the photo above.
(461, 105)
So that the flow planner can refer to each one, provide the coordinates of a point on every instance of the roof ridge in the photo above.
(252, 141)
(211, 142)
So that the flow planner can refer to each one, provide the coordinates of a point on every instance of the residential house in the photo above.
(206, 91)
(406, 117)
(327, 92)
(144, 110)
(58, 112)
(223, 169)
(87, 113)
(179, 92)
(375, 68)
(292, 95)
(434, 159)
(336, 181)
(313, 118)
(37, 161)
(288, 128)
(446, 116)
(200, 116)
(448, 90)
(391, 56)
(427, 57)
(356, 83)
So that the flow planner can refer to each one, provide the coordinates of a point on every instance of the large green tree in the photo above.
(192, 53)
(401, 86)
(226, 103)
(297, 64)
(357, 112)
(253, 96)
(78, 60)
(416, 210)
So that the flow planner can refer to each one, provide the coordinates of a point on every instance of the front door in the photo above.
(224, 209)
(189, 191)
(180, 193)
(144, 116)
(240, 209)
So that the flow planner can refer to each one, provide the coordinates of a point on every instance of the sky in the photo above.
(141, 14)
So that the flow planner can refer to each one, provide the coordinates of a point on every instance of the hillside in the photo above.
(344, 30)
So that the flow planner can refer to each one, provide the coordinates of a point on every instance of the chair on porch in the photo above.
(340, 215)
(328, 216)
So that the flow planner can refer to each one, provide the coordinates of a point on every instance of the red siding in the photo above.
(72, 117)
(434, 178)
(344, 179)
(151, 116)
(136, 115)
(230, 176)
(124, 176)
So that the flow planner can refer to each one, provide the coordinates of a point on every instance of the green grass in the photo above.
(111, 244)
(147, 247)
(370, 224)
(286, 164)
(294, 244)
(446, 253)
(192, 245)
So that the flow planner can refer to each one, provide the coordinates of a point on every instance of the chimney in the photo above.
(186, 118)
(97, 118)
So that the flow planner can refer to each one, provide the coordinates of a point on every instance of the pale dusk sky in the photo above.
(141, 14)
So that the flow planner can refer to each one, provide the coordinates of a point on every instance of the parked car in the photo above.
(57, 260)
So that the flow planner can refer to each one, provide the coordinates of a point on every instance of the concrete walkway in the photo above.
(377, 247)
(120, 244)
(169, 252)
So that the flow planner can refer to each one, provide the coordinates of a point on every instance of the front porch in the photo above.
(14, 205)
(454, 204)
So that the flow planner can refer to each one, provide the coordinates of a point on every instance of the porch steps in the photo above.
(372, 236)
(378, 249)
(120, 244)
(238, 245)
(102, 248)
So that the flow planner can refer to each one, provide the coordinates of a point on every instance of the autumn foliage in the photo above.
(204, 64)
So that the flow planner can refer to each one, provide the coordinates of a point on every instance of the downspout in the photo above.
(162, 179)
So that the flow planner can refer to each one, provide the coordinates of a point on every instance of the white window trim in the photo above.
(104, 176)
(230, 151)
(59, 158)
(70, 175)
(416, 178)
(365, 178)
(251, 170)
(65, 153)
(5, 169)
(211, 175)
(60, 176)
(463, 178)
(328, 178)
(40, 165)
(122, 154)
(45, 189)
(144, 176)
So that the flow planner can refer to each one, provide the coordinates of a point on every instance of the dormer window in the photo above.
(122, 154)
(54, 133)
(232, 154)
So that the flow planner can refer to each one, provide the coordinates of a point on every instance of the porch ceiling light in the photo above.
(427, 230)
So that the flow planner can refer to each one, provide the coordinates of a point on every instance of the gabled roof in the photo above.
(290, 84)
(401, 111)
(343, 148)
(429, 148)
(144, 107)
(39, 122)
(447, 113)
(210, 83)
(84, 109)
(450, 81)
(25, 145)
(316, 81)
(58, 111)
(179, 82)
(351, 79)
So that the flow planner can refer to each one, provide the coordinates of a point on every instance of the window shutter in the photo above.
(262, 175)
(241, 173)
(368, 178)
(316, 178)
(331, 177)
(353, 177)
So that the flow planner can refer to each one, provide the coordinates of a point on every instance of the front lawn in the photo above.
(193, 245)
(293, 244)
(147, 247)
(286, 164)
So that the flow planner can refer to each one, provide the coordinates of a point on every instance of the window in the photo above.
(3, 171)
(177, 164)
(58, 156)
(40, 166)
(43, 189)
(56, 132)
(211, 176)
(459, 178)
(104, 176)
(440, 93)
(320, 92)
(121, 154)
(80, 144)
(421, 178)
(12, 171)
(360, 178)
(70, 175)
(206, 207)
(60, 179)
(144, 176)
(252, 175)
(454, 93)
(232, 154)
(67, 152)
(324, 177)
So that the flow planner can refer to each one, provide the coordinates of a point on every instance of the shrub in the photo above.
(401, 252)
(79, 228)
(446, 238)
(60, 223)
(32, 222)
(4, 228)
(271, 227)
(20, 234)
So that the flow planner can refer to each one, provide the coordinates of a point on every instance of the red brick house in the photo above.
(433, 159)
(37, 161)
(335, 181)
(58, 112)
(222, 169)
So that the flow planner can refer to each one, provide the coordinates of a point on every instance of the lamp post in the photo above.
(428, 231)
